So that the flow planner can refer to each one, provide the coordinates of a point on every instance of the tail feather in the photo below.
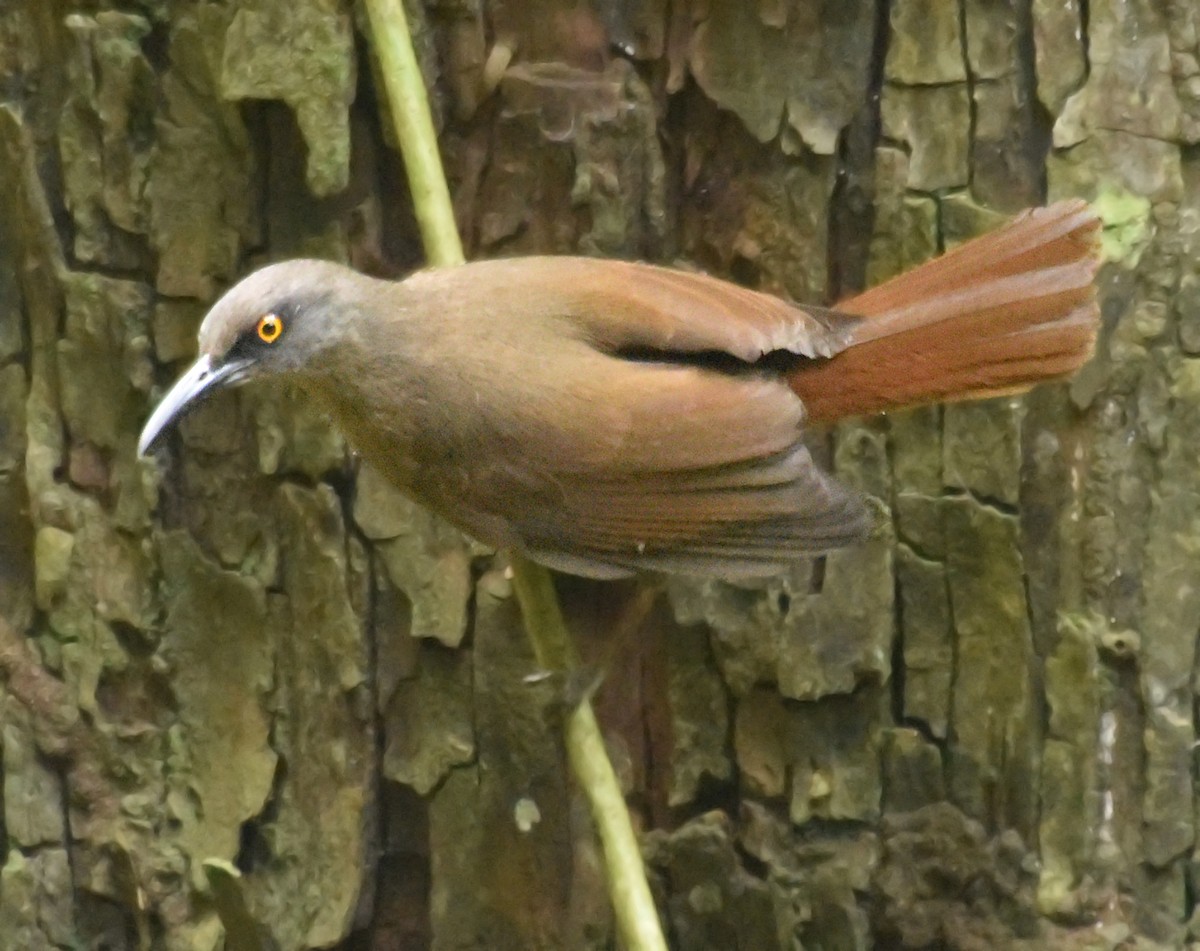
(994, 316)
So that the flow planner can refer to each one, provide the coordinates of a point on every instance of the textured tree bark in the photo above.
(249, 695)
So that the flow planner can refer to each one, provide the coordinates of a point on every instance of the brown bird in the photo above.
(607, 417)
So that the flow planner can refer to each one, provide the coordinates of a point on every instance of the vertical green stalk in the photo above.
(628, 889)
(413, 119)
(633, 905)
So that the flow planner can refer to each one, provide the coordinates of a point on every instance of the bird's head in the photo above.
(276, 322)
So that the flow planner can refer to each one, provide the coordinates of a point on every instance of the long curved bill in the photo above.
(200, 381)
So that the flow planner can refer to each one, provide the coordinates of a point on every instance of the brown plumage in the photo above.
(608, 417)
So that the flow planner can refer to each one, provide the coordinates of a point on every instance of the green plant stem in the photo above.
(409, 104)
(628, 889)
(633, 905)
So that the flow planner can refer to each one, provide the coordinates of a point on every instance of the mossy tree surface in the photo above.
(248, 687)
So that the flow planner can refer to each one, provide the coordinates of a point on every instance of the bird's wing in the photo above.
(752, 519)
(637, 431)
(623, 306)
(681, 469)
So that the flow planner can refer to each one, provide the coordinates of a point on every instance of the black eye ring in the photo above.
(270, 328)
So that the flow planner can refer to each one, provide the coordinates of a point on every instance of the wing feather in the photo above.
(739, 496)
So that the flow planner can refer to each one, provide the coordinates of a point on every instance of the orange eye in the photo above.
(270, 326)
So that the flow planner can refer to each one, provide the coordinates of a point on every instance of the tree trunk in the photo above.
(250, 697)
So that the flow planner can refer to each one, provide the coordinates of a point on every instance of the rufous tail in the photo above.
(993, 316)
